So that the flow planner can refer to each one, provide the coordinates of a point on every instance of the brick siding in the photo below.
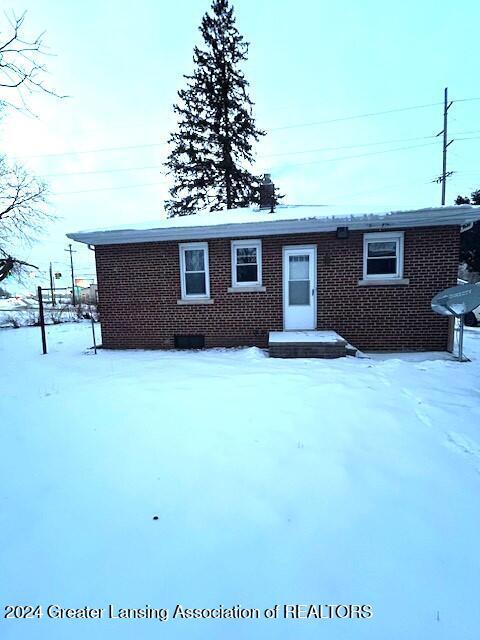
(139, 285)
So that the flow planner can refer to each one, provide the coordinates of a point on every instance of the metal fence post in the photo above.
(42, 320)
(460, 338)
(93, 333)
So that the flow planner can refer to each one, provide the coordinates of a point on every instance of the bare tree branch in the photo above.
(21, 64)
(13, 266)
(22, 197)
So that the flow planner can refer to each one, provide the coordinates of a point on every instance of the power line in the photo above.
(461, 133)
(270, 155)
(81, 173)
(150, 184)
(286, 153)
(97, 150)
(466, 100)
(361, 155)
(350, 146)
(355, 117)
(387, 187)
(287, 126)
(126, 186)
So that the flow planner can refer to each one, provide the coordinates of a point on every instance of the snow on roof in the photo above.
(285, 219)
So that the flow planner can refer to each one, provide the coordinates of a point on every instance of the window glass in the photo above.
(298, 292)
(247, 273)
(194, 271)
(299, 267)
(247, 263)
(382, 257)
(387, 266)
(194, 260)
(380, 249)
(299, 280)
(246, 255)
(195, 284)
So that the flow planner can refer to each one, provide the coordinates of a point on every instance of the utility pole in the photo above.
(52, 294)
(72, 251)
(445, 174)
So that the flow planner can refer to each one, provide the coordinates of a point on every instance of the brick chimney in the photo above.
(267, 190)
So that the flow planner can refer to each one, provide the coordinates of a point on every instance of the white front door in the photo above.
(299, 288)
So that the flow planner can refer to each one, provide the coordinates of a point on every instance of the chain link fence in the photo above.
(25, 312)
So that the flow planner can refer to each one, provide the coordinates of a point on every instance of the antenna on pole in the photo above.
(445, 174)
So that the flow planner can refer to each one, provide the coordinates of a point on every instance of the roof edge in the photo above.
(443, 216)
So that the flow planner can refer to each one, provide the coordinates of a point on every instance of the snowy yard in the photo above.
(351, 481)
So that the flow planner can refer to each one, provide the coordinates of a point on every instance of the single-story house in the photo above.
(229, 278)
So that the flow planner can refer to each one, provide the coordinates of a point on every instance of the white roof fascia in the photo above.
(416, 218)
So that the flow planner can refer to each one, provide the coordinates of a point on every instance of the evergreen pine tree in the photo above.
(470, 240)
(212, 147)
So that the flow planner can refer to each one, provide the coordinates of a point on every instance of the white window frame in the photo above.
(185, 247)
(238, 244)
(387, 236)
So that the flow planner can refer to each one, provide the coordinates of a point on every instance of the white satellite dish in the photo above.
(457, 301)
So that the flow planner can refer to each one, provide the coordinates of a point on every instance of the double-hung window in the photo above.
(246, 263)
(383, 256)
(194, 276)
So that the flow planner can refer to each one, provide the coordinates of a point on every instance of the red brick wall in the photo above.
(139, 285)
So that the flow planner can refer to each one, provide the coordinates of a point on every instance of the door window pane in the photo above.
(299, 267)
(299, 292)
(195, 284)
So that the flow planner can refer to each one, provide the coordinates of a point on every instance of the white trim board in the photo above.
(203, 246)
(394, 236)
(253, 243)
(457, 215)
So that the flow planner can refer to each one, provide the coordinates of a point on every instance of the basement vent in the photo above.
(189, 342)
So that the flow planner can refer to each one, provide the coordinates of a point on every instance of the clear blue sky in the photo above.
(311, 61)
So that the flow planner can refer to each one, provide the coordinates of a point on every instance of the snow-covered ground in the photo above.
(273, 481)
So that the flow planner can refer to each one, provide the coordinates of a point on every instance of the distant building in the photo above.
(85, 291)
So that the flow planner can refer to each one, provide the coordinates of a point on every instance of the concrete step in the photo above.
(306, 344)
(351, 350)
